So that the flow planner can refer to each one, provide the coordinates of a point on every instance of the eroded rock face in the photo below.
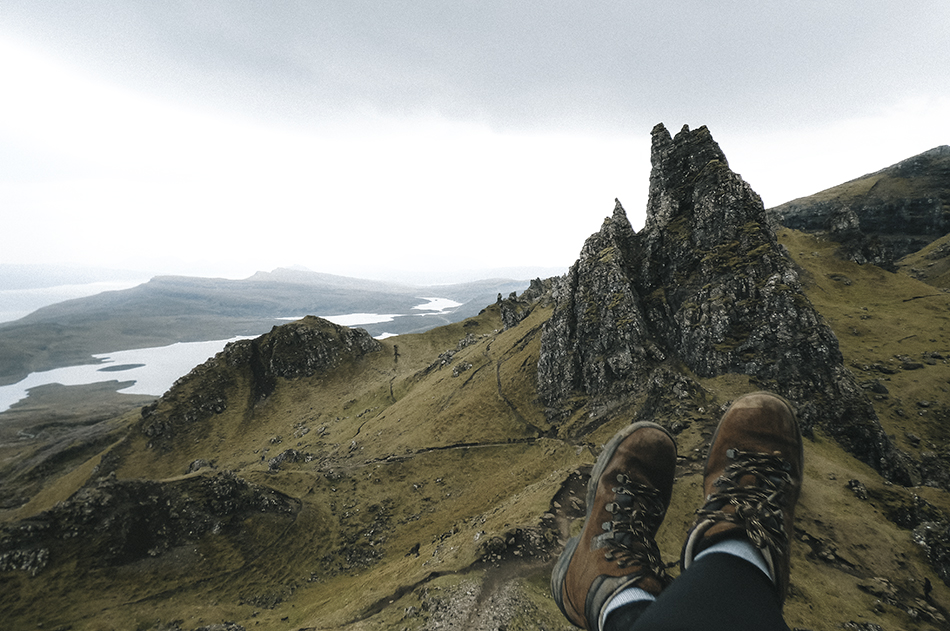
(292, 351)
(705, 285)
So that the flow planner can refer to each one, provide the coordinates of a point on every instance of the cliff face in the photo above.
(706, 287)
(883, 216)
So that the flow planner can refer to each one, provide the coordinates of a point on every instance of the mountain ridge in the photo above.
(432, 478)
(882, 216)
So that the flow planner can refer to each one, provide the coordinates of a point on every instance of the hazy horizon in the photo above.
(24, 290)
(223, 138)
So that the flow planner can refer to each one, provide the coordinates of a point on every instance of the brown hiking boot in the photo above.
(627, 498)
(752, 480)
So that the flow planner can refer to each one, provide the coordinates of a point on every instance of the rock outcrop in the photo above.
(516, 308)
(883, 216)
(122, 521)
(299, 349)
(705, 289)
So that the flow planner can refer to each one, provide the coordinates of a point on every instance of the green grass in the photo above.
(930, 264)
(411, 479)
(881, 319)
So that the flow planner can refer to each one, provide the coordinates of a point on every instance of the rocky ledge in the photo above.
(122, 521)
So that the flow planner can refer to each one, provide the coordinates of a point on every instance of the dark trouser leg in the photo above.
(622, 619)
(719, 592)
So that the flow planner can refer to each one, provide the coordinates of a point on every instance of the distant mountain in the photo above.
(317, 478)
(171, 309)
(883, 216)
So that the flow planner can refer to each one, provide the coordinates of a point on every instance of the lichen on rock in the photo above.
(704, 286)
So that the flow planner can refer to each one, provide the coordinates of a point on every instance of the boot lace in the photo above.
(757, 507)
(628, 538)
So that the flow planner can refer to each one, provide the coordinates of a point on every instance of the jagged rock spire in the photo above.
(691, 179)
(706, 286)
(677, 162)
(597, 334)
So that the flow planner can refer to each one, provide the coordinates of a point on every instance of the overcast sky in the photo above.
(385, 139)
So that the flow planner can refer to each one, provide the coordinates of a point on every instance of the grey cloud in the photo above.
(515, 64)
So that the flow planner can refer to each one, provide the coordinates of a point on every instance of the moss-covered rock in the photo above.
(707, 285)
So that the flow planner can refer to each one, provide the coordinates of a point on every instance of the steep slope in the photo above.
(930, 264)
(58, 426)
(894, 333)
(411, 459)
(883, 216)
(315, 478)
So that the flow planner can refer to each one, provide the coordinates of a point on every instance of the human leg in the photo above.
(627, 498)
(719, 592)
(752, 480)
(736, 556)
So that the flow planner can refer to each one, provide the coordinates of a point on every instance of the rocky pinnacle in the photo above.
(704, 287)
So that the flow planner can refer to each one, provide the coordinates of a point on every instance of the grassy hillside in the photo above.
(894, 332)
(880, 217)
(931, 264)
(55, 429)
(430, 491)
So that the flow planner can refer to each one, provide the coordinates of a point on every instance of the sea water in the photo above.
(432, 306)
(153, 370)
